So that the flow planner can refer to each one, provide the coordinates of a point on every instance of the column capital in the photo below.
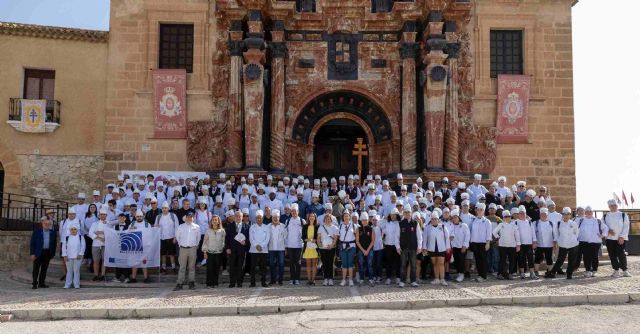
(452, 50)
(278, 49)
(235, 47)
(409, 50)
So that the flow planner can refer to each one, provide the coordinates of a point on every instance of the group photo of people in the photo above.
(342, 231)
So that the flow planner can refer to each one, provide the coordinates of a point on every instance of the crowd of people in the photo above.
(392, 235)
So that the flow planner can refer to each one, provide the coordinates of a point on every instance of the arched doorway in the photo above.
(333, 146)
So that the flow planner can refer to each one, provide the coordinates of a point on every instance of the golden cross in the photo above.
(360, 150)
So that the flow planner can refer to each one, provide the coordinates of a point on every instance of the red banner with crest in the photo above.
(170, 103)
(512, 119)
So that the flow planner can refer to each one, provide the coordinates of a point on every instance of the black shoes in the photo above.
(147, 280)
(178, 287)
(231, 285)
(64, 277)
(43, 286)
(264, 284)
(33, 287)
(133, 280)
(192, 286)
(252, 285)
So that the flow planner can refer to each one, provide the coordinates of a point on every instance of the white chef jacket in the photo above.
(391, 231)
(278, 237)
(99, 226)
(591, 230)
(475, 191)
(202, 219)
(73, 246)
(567, 234)
(294, 233)
(65, 225)
(508, 234)
(461, 235)
(618, 225)
(527, 232)
(555, 217)
(377, 244)
(259, 234)
(467, 218)
(188, 235)
(244, 201)
(433, 235)
(168, 225)
(480, 230)
(81, 210)
(544, 233)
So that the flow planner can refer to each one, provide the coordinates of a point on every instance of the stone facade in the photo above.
(267, 77)
(14, 249)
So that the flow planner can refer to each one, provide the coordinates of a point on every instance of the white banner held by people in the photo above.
(129, 249)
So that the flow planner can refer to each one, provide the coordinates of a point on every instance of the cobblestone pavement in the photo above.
(459, 320)
(15, 295)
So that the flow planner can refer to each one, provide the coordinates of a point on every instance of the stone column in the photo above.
(253, 91)
(278, 52)
(451, 151)
(435, 92)
(236, 119)
(408, 51)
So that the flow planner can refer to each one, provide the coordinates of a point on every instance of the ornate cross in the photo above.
(360, 150)
(33, 114)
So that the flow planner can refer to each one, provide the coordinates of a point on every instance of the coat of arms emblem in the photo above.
(169, 103)
(513, 108)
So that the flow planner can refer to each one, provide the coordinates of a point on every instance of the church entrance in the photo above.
(334, 144)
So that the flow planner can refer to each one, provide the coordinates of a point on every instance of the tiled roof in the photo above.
(32, 30)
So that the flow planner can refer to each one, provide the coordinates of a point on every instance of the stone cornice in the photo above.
(37, 31)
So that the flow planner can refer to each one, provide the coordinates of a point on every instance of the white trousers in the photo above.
(73, 273)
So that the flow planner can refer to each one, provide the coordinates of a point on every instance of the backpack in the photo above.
(599, 224)
(171, 214)
(550, 224)
(623, 217)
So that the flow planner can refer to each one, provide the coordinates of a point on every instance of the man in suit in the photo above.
(236, 248)
(42, 249)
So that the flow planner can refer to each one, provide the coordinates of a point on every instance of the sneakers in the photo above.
(594, 274)
(330, 282)
(401, 284)
(343, 283)
(115, 280)
(178, 287)
(533, 276)
(414, 284)
(616, 273)
(435, 282)
(325, 282)
(387, 282)
(291, 282)
(350, 282)
(588, 274)
(203, 262)
(626, 273)
(444, 283)
(296, 282)
(523, 275)
(371, 283)
(479, 279)
(460, 278)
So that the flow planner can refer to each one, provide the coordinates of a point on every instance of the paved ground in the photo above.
(481, 319)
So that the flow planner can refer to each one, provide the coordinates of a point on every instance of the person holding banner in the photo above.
(188, 238)
(96, 233)
(122, 274)
(168, 224)
(138, 224)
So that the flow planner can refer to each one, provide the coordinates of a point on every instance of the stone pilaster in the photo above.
(253, 91)
(236, 119)
(408, 51)
(435, 92)
(278, 52)
(451, 147)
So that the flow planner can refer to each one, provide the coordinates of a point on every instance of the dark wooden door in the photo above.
(333, 149)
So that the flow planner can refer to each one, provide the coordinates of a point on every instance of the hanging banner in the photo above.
(138, 248)
(33, 115)
(170, 103)
(512, 119)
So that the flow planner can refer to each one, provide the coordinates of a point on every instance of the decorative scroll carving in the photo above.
(477, 149)
(206, 149)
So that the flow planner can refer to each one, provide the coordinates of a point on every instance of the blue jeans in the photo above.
(369, 264)
(377, 263)
(276, 263)
(493, 258)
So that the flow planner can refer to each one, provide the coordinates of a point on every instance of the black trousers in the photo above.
(213, 268)
(259, 260)
(547, 253)
(562, 254)
(236, 263)
(327, 257)
(391, 261)
(589, 251)
(617, 255)
(507, 254)
(525, 257)
(199, 252)
(123, 273)
(40, 266)
(480, 254)
(458, 260)
(294, 263)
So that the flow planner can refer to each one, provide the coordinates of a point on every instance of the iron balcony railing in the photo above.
(52, 112)
(22, 212)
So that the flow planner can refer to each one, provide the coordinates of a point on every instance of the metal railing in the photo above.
(22, 212)
(52, 112)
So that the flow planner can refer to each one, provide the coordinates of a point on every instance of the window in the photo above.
(176, 46)
(39, 84)
(506, 52)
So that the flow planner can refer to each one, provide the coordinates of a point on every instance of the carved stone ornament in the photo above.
(235, 48)
(252, 72)
(409, 50)
(438, 73)
(278, 49)
(478, 149)
(206, 148)
(452, 50)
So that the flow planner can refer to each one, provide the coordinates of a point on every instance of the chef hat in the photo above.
(159, 184)
(333, 180)
(243, 179)
(450, 200)
(259, 213)
(612, 202)
(566, 210)
(129, 202)
(438, 194)
(204, 187)
(342, 194)
(115, 191)
(494, 184)
(406, 208)
(294, 206)
(395, 211)
(481, 196)
(286, 178)
(222, 176)
(316, 182)
(404, 187)
(462, 185)
(371, 213)
(376, 217)
(269, 177)
(416, 215)
(300, 191)
(306, 181)
(250, 176)
(435, 215)
(315, 193)
(464, 196)
(245, 211)
(369, 177)
(509, 194)
(165, 204)
(480, 206)
(364, 216)
(378, 197)
(341, 178)
(348, 207)
(120, 178)
(455, 212)
(81, 196)
(506, 213)
(445, 180)
(96, 193)
(228, 214)
(393, 194)
(328, 206)
(295, 181)
(111, 185)
(445, 210)
(231, 201)
(493, 206)
(272, 190)
(103, 210)
(465, 202)
(477, 177)
(515, 211)
(372, 186)
(588, 209)
(139, 213)
(544, 211)
(550, 203)
(324, 179)
(385, 182)
(431, 184)
(275, 212)
(154, 200)
(245, 187)
(422, 200)
(350, 177)
(399, 176)
(502, 179)
(531, 193)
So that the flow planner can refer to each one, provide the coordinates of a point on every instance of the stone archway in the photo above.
(348, 105)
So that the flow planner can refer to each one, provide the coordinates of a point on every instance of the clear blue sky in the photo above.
(607, 93)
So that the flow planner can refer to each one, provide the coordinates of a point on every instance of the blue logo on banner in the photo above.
(131, 242)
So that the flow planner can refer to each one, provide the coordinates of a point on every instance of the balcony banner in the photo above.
(33, 115)
(170, 103)
(512, 119)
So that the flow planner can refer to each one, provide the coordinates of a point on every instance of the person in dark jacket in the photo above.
(42, 249)
(237, 248)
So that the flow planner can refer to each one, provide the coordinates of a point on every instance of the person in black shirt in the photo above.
(122, 274)
(186, 207)
(150, 216)
(365, 237)
(410, 241)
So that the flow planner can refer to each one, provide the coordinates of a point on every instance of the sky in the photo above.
(606, 89)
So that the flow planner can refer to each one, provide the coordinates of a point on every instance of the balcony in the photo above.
(52, 112)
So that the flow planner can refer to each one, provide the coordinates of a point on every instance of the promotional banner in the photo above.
(513, 109)
(170, 103)
(33, 115)
(133, 248)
